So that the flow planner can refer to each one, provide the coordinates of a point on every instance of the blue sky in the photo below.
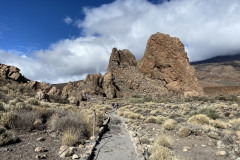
(35, 24)
(63, 40)
(27, 25)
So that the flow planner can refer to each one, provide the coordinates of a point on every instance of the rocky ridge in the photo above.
(164, 70)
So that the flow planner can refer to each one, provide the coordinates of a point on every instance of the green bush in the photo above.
(210, 112)
(137, 100)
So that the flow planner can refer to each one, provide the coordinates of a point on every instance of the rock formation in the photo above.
(164, 70)
(11, 72)
(166, 60)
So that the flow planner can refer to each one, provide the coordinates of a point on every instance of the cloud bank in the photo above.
(207, 28)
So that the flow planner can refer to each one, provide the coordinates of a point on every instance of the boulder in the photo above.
(165, 60)
(11, 72)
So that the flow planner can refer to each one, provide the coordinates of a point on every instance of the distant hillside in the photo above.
(218, 59)
(219, 74)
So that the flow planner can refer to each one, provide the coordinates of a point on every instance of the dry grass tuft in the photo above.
(184, 132)
(69, 138)
(164, 141)
(161, 153)
(144, 140)
(218, 124)
(151, 119)
(169, 124)
(199, 119)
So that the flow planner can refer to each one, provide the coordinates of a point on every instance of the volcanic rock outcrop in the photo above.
(165, 59)
(164, 70)
(11, 72)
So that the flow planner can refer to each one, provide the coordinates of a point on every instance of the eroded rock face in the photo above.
(11, 72)
(165, 60)
(121, 59)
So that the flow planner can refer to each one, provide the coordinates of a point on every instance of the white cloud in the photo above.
(207, 28)
(67, 20)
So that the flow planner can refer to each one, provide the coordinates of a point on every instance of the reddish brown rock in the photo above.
(121, 59)
(11, 72)
(165, 60)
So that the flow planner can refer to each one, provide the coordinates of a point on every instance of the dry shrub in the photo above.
(169, 124)
(213, 135)
(15, 101)
(184, 132)
(6, 137)
(161, 153)
(235, 121)
(218, 124)
(8, 119)
(44, 113)
(75, 122)
(33, 101)
(160, 120)
(199, 119)
(208, 111)
(1, 107)
(24, 120)
(164, 141)
(238, 134)
(70, 138)
(144, 140)
(151, 119)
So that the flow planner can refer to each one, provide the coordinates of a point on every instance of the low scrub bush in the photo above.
(71, 121)
(24, 120)
(164, 141)
(151, 119)
(169, 124)
(144, 140)
(210, 112)
(161, 153)
(137, 100)
(8, 119)
(218, 124)
(33, 101)
(184, 132)
(6, 137)
(199, 119)
(70, 138)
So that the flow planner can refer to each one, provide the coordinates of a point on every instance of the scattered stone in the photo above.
(221, 153)
(66, 151)
(203, 145)
(92, 138)
(81, 146)
(41, 156)
(220, 144)
(40, 149)
(186, 148)
(75, 156)
(41, 139)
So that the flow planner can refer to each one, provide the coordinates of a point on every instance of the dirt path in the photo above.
(116, 143)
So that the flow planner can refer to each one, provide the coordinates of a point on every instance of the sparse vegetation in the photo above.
(144, 140)
(184, 132)
(169, 124)
(161, 153)
(164, 141)
(210, 112)
(199, 119)
(70, 138)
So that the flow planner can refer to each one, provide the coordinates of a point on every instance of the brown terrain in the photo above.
(159, 108)
(220, 75)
